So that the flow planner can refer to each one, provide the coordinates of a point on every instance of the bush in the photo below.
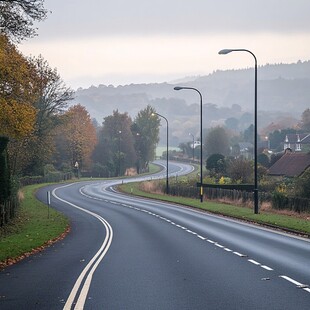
(279, 200)
(303, 185)
(99, 170)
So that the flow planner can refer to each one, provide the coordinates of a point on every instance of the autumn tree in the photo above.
(263, 159)
(17, 92)
(115, 150)
(217, 141)
(187, 149)
(216, 164)
(248, 134)
(302, 185)
(52, 97)
(305, 120)
(240, 170)
(76, 138)
(17, 18)
(17, 115)
(146, 132)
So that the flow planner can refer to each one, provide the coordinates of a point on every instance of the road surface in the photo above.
(125, 252)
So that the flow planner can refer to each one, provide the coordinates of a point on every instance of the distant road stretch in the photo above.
(125, 252)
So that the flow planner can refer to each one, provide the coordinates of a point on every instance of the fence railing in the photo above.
(296, 204)
(8, 210)
(51, 177)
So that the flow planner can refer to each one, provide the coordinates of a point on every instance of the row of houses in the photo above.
(295, 160)
(297, 142)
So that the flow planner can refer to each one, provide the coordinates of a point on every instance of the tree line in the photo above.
(40, 134)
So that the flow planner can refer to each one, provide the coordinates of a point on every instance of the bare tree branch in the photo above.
(17, 18)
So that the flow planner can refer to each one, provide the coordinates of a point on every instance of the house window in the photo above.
(287, 146)
(298, 148)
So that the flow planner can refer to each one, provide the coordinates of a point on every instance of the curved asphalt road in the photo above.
(129, 253)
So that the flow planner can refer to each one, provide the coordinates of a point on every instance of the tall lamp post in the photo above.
(167, 173)
(193, 145)
(119, 152)
(195, 89)
(138, 152)
(227, 51)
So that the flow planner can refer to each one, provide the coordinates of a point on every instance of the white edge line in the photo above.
(105, 246)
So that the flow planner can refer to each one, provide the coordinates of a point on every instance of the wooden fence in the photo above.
(296, 204)
(8, 210)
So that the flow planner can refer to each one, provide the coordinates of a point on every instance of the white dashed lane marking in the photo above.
(252, 261)
(298, 284)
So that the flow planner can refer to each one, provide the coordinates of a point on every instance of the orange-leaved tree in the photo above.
(17, 115)
(17, 92)
(77, 139)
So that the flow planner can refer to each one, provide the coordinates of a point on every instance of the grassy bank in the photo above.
(289, 222)
(32, 229)
(35, 227)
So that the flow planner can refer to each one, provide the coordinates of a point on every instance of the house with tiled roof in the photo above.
(291, 164)
(297, 142)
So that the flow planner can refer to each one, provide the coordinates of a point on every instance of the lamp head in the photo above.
(178, 88)
(225, 51)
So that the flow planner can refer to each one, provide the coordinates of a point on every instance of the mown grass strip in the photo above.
(32, 228)
(267, 218)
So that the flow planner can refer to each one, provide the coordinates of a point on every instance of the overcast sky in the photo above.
(94, 42)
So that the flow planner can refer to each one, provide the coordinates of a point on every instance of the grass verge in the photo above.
(286, 222)
(32, 229)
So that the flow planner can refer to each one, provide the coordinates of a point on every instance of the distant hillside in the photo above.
(283, 91)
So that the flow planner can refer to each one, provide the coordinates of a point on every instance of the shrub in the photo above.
(279, 200)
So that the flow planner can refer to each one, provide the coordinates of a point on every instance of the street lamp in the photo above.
(119, 152)
(192, 88)
(167, 174)
(227, 51)
(268, 142)
(193, 145)
(138, 151)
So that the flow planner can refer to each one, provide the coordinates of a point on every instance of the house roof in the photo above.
(290, 165)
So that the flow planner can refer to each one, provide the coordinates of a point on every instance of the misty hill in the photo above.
(228, 96)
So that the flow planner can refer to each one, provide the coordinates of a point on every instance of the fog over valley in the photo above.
(228, 98)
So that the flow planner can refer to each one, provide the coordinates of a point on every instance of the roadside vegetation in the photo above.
(295, 222)
(34, 228)
(43, 139)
